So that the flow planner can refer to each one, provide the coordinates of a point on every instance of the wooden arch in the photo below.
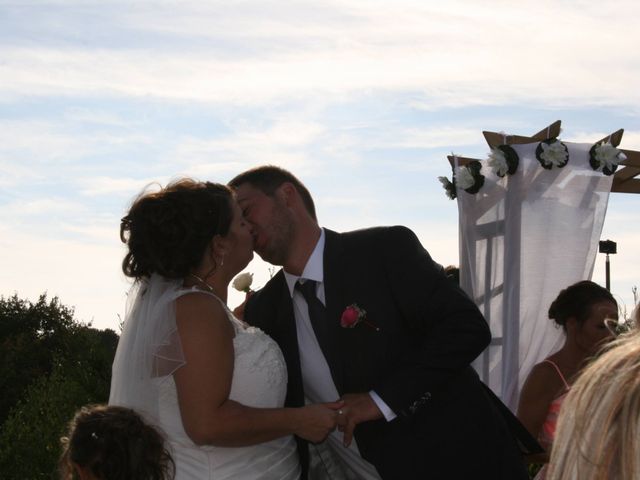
(624, 180)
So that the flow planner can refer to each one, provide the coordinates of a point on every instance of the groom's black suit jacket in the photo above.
(418, 362)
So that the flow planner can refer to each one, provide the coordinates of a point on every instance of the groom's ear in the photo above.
(289, 194)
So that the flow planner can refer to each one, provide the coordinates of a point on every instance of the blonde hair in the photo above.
(598, 433)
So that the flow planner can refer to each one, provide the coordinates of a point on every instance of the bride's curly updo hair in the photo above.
(576, 301)
(114, 443)
(167, 232)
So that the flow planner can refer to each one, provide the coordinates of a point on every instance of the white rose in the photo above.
(554, 153)
(464, 178)
(498, 162)
(243, 282)
(608, 155)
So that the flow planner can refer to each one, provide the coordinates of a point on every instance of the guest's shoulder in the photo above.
(380, 234)
(543, 383)
(272, 289)
(275, 283)
(373, 232)
(545, 374)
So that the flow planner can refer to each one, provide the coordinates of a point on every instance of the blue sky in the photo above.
(362, 100)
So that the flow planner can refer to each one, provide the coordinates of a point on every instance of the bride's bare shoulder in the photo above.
(197, 310)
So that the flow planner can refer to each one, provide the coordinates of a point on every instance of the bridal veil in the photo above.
(149, 349)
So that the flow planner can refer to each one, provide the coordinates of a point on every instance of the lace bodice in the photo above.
(259, 380)
(263, 382)
(259, 377)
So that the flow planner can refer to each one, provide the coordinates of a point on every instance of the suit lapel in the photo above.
(333, 288)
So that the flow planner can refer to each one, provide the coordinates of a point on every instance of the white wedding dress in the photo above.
(259, 380)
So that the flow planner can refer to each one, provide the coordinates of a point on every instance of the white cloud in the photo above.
(40, 139)
(41, 206)
(280, 134)
(85, 115)
(45, 141)
(284, 142)
(104, 232)
(455, 54)
(93, 186)
(15, 172)
(432, 137)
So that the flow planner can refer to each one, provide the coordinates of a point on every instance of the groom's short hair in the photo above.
(268, 178)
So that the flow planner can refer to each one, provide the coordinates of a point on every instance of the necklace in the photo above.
(209, 287)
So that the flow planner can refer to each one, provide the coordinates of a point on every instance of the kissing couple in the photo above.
(352, 362)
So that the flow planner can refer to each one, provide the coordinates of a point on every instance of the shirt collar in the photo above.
(313, 270)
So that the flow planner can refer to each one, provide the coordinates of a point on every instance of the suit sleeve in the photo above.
(261, 308)
(448, 329)
(250, 309)
(259, 312)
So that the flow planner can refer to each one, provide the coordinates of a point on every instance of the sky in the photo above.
(362, 100)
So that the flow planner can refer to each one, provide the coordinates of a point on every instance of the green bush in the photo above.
(29, 442)
(50, 365)
(31, 334)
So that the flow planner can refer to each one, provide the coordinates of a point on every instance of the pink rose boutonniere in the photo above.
(353, 315)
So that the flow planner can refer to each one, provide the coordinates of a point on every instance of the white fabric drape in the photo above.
(523, 238)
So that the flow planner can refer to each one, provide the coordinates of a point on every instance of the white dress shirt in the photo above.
(316, 377)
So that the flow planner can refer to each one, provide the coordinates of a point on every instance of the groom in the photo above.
(414, 408)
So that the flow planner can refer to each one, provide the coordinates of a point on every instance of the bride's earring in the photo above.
(217, 252)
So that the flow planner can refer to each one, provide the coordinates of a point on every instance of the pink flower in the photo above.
(353, 315)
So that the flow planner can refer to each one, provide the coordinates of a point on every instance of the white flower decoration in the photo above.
(554, 153)
(464, 178)
(243, 282)
(498, 162)
(608, 156)
(448, 187)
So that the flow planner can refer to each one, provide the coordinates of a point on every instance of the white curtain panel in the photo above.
(523, 238)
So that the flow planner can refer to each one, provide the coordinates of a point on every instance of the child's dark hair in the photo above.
(114, 443)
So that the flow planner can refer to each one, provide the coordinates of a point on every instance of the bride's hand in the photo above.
(315, 422)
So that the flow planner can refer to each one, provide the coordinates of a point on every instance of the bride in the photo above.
(214, 385)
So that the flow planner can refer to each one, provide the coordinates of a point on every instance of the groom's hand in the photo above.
(238, 312)
(358, 408)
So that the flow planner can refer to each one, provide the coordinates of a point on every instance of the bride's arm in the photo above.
(204, 383)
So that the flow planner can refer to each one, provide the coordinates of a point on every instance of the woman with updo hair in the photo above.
(113, 443)
(584, 311)
(213, 384)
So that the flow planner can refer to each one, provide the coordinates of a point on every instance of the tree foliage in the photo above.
(50, 365)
